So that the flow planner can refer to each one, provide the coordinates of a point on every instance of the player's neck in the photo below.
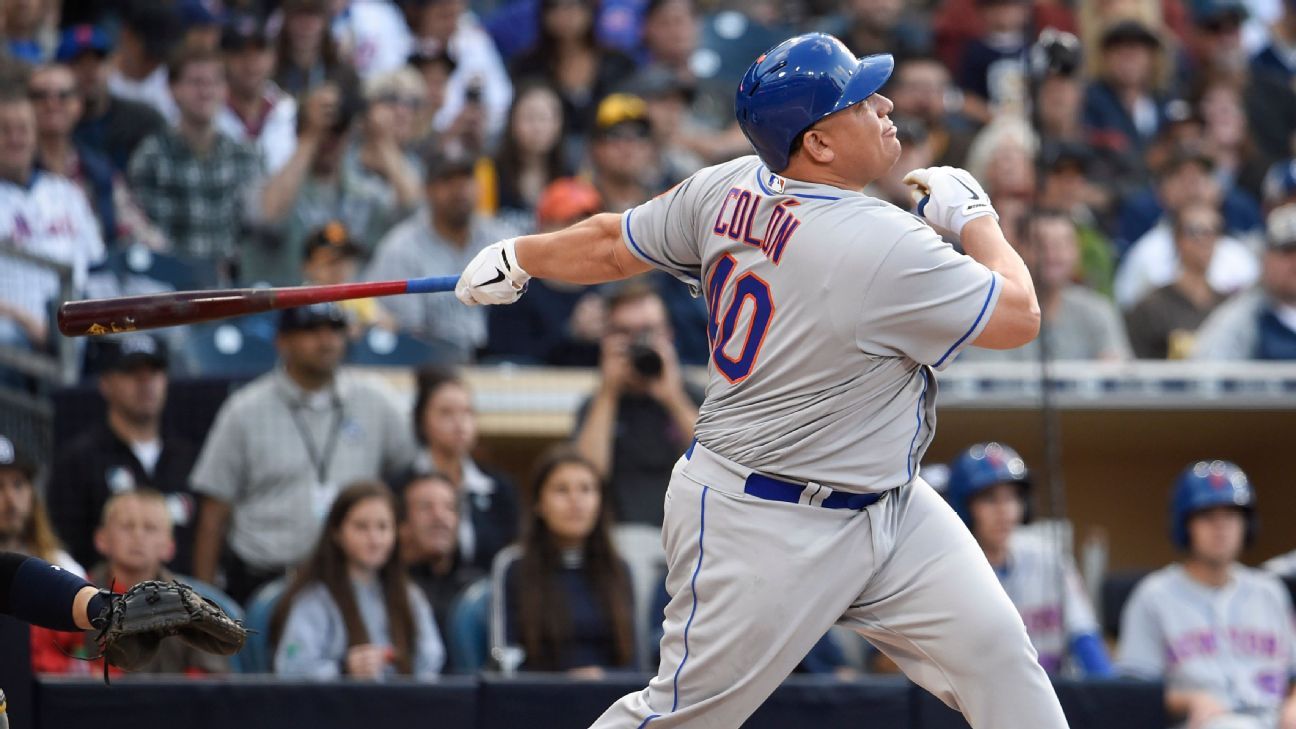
(1210, 574)
(801, 169)
(143, 430)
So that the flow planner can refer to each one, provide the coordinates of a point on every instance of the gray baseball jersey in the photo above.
(1033, 577)
(1236, 642)
(785, 263)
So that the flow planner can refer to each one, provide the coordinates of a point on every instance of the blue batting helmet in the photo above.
(798, 82)
(1206, 485)
(977, 469)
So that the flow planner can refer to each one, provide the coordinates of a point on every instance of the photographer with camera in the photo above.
(641, 416)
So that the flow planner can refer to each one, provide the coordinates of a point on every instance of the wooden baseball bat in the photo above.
(151, 311)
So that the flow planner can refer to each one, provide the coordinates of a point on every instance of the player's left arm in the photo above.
(42, 594)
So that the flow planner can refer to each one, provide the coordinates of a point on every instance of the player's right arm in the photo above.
(1016, 319)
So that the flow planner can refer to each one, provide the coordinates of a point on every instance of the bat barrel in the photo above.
(132, 313)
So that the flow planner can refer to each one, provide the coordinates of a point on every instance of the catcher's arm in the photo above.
(43, 594)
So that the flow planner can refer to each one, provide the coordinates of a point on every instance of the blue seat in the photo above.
(469, 629)
(381, 348)
(256, 656)
(228, 349)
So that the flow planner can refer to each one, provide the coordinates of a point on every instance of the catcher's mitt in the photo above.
(135, 622)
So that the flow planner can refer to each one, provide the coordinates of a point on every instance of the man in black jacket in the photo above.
(126, 451)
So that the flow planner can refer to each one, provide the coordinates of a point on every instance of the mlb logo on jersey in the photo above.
(776, 183)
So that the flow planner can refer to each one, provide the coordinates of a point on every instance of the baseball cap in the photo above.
(81, 39)
(11, 456)
(1280, 181)
(304, 318)
(439, 163)
(1130, 31)
(1209, 13)
(196, 13)
(621, 111)
(1061, 155)
(1280, 227)
(333, 236)
(131, 350)
(242, 31)
(566, 199)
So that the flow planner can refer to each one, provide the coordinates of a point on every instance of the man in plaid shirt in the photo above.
(197, 185)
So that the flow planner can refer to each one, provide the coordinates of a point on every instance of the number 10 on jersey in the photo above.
(751, 308)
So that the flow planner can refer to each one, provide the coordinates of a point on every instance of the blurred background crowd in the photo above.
(1140, 154)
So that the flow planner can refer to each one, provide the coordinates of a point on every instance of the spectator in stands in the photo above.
(1068, 186)
(479, 72)
(306, 55)
(429, 545)
(256, 111)
(564, 593)
(281, 447)
(149, 31)
(27, 25)
(136, 541)
(1238, 164)
(435, 67)
(201, 26)
(25, 529)
(1259, 324)
(1163, 323)
(993, 67)
(989, 487)
(683, 143)
(42, 214)
(383, 153)
(641, 416)
(128, 450)
(331, 258)
(1185, 182)
(556, 323)
(1280, 184)
(1277, 59)
(445, 424)
(196, 184)
(531, 154)
(52, 89)
(109, 124)
(880, 26)
(1078, 323)
(373, 37)
(1124, 106)
(313, 188)
(1217, 50)
(921, 89)
(569, 58)
(622, 153)
(670, 35)
(444, 236)
(1217, 633)
(1002, 157)
(350, 610)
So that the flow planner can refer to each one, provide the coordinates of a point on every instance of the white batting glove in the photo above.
(949, 197)
(493, 276)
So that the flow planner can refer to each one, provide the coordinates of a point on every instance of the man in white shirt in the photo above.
(256, 110)
(43, 215)
(479, 72)
(1151, 262)
(139, 73)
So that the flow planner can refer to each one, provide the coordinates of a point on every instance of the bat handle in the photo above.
(431, 284)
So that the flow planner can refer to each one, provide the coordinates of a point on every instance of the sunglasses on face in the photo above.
(412, 102)
(48, 94)
(1200, 231)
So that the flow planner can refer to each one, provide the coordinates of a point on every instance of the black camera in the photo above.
(645, 360)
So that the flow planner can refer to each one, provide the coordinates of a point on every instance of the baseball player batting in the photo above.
(800, 504)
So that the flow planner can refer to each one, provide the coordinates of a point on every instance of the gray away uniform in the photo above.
(1235, 642)
(830, 311)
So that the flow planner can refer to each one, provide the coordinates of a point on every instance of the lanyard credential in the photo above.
(319, 459)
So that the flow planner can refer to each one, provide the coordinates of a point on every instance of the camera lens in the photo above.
(645, 360)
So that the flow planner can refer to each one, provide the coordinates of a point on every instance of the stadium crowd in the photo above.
(1141, 155)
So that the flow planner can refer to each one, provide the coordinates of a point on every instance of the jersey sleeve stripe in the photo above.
(634, 246)
(976, 324)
